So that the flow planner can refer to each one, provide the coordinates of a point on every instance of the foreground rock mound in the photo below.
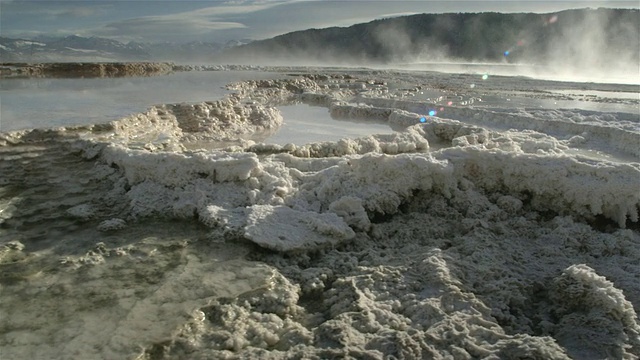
(454, 238)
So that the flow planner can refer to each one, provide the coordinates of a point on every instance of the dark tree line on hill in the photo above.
(586, 35)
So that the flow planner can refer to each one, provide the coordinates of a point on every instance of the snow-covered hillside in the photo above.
(77, 48)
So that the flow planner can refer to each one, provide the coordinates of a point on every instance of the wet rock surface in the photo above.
(85, 70)
(476, 233)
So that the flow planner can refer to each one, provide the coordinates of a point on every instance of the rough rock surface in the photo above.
(281, 228)
(455, 238)
(85, 70)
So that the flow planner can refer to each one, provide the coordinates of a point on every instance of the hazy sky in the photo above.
(219, 21)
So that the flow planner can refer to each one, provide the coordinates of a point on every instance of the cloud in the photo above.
(257, 2)
(163, 28)
(182, 25)
(54, 9)
(220, 11)
(218, 20)
(80, 11)
(136, 20)
(386, 16)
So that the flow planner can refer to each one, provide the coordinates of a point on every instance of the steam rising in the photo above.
(600, 44)
(585, 44)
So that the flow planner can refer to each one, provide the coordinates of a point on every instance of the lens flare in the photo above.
(432, 113)
(423, 119)
(506, 53)
(485, 77)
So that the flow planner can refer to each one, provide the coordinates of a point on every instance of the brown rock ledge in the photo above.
(84, 70)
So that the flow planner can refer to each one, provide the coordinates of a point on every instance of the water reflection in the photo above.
(44, 103)
(304, 124)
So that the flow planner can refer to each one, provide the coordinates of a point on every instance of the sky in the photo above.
(221, 21)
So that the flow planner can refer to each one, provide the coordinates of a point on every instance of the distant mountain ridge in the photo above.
(77, 48)
(588, 38)
(581, 36)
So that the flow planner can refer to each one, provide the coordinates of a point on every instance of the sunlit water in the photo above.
(503, 101)
(43, 103)
(548, 72)
(305, 124)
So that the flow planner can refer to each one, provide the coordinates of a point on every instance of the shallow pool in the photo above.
(304, 124)
(45, 102)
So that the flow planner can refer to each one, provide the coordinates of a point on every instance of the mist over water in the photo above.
(575, 45)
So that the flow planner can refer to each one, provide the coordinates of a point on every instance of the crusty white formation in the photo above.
(477, 233)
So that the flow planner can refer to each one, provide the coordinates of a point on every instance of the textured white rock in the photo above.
(351, 210)
(284, 229)
(581, 296)
(172, 169)
(447, 240)
(82, 211)
(112, 225)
